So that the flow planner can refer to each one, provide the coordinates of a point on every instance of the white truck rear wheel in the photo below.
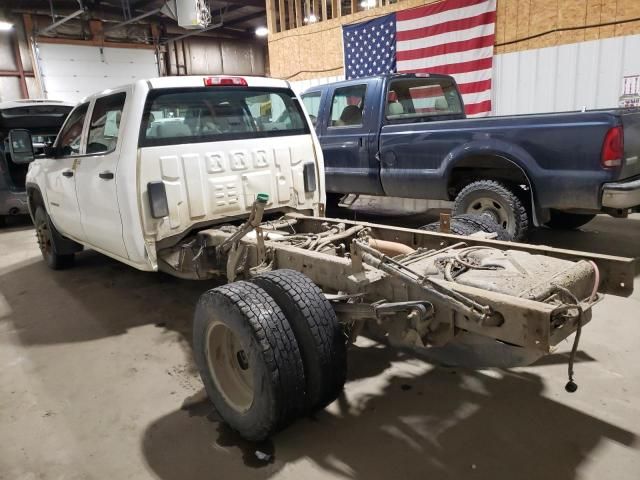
(248, 359)
(320, 336)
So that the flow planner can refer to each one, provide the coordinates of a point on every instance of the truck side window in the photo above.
(419, 97)
(105, 123)
(312, 104)
(347, 106)
(71, 134)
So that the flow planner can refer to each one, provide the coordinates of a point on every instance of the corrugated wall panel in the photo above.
(301, 85)
(568, 77)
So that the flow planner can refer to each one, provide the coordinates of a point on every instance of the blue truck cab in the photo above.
(406, 135)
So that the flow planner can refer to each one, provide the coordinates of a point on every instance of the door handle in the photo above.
(67, 173)
(106, 175)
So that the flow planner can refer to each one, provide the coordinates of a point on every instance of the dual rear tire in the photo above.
(268, 351)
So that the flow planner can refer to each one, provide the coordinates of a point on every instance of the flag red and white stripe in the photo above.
(453, 37)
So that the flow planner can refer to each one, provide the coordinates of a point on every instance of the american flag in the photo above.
(453, 37)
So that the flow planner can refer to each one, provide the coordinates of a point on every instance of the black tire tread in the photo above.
(502, 190)
(320, 335)
(279, 351)
(455, 227)
(485, 224)
(55, 261)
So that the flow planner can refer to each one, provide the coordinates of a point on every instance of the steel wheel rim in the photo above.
(229, 366)
(44, 238)
(493, 209)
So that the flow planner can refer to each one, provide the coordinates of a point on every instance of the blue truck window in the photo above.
(312, 104)
(418, 97)
(347, 106)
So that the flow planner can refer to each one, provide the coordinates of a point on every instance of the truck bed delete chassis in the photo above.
(419, 289)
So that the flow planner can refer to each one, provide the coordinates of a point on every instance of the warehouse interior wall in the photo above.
(315, 50)
(78, 61)
(576, 76)
(72, 72)
(17, 77)
(202, 55)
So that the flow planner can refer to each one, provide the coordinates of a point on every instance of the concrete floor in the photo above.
(97, 382)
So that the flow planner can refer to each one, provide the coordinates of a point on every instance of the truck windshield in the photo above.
(208, 114)
(421, 97)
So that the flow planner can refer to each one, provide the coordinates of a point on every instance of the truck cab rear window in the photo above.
(179, 116)
(422, 97)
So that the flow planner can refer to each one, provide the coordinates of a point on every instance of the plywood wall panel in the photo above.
(523, 21)
(594, 15)
(317, 49)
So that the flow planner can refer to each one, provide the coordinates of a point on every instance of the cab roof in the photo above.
(198, 81)
(352, 81)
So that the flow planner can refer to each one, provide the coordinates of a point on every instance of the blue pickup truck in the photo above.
(406, 135)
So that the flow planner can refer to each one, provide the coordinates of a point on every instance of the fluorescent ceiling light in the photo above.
(4, 26)
(262, 31)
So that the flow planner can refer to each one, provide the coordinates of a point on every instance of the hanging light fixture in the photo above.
(310, 17)
(5, 24)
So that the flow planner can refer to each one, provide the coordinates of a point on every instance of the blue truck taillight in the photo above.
(612, 148)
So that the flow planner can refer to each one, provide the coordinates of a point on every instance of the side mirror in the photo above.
(20, 146)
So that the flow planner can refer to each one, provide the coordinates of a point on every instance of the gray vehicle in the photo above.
(43, 119)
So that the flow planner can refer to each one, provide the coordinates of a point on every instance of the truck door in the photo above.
(96, 176)
(59, 175)
(349, 141)
(411, 155)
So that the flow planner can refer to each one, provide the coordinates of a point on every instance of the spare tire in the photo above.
(320, 336)
(503, 203)
(467, 224)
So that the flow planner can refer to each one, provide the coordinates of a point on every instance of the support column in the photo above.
(282, 11)
(271, 16)
(299, 14)
(18, 57)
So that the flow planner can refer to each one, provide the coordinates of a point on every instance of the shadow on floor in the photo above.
(16, 223)
(77, 304)
(441, 424)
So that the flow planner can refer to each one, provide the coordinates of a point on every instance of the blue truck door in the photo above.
(349, 140)
(411, 153)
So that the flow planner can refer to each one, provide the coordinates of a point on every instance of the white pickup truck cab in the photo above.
(208, 145)
(202, 177)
